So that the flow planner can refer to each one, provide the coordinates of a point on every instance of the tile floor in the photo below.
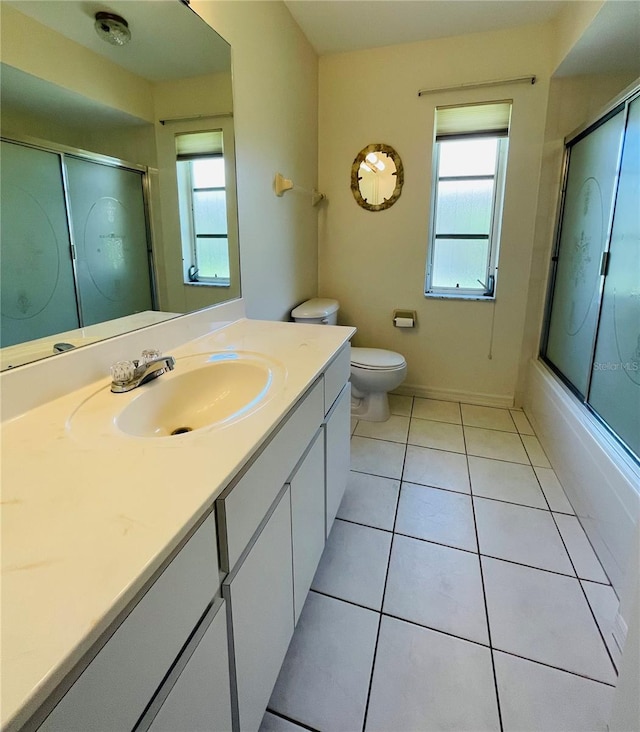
(457, 590)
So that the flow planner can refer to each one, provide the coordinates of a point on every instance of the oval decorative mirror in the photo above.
(377, 177)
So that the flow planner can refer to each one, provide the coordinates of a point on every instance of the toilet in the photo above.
(374, 371)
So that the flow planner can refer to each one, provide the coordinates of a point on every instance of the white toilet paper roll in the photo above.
(403, 322)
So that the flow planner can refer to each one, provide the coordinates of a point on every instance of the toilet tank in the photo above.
(322, 311)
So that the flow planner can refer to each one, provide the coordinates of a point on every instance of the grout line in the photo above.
(361, 523)
(484, 596)
(347, 602)
(556, 668)
(484, 592)
(302, 725)
(437, 630)
(384, 589)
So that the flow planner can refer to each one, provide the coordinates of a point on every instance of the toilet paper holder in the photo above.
(405, 318)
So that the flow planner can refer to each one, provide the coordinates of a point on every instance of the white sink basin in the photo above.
(203, 391)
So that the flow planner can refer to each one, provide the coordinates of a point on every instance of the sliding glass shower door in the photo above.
(110, 236)
(37, 288)
(593, 326)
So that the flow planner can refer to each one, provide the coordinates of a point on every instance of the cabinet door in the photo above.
(307, 520)
(199, 700)
(338, 454)
(260, 597)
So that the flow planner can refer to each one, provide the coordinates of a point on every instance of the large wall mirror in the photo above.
(118, 171)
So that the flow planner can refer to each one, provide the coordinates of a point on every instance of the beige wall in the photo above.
(374, 262)
(275, 116)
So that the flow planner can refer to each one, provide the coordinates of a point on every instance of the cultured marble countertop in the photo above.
(87, 519)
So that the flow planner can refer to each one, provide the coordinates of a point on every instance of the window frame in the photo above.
(186, 190)
(488, 290)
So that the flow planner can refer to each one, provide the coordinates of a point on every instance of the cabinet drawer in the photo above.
(336, 376)
(243, 505)
(259, 594)
(114, 689)
(197, 695)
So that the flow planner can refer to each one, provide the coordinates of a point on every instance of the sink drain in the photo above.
(181, 430)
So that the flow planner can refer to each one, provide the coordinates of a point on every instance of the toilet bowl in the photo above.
(374, 371)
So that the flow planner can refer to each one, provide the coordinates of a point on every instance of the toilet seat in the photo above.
(376, 359)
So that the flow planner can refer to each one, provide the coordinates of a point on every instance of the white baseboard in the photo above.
(451, 395)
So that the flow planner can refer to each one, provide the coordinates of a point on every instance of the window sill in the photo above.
(207, 284)
(476, 298)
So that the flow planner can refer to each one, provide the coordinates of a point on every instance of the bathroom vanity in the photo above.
(154, 582)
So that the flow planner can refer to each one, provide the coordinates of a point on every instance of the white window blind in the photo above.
(197, 144)
(477, 120)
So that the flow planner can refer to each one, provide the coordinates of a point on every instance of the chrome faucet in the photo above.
(128, 375)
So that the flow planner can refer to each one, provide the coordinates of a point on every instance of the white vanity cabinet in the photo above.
(307, 487)
(259, 594)
(202, 648)
(115, 688)
(195, 696)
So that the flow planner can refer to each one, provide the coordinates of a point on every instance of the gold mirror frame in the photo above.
(355, 177)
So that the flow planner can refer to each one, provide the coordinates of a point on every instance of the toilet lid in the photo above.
(317, 307)
(376, 358)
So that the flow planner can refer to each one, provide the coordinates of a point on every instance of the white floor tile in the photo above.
(395, 429)
(582, 555)
(494, 444)
(437, 410)
(490, 418)
(401, 405)
(272, 723)
(440, 435)
(436, 468)
(438, 587)
(604, 603)
(535, 697)
(520, 534)
(505, 482)
(436, 515)
(370, 500)
(553, 490)
(377, 457)
(425, 680)
(544, 617)
(535, 452)
(522, 423)
(324, 679)
(354, 563)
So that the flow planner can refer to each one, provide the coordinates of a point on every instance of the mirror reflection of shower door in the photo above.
(110, 235)
(583, 238)
(615, 383)
(37, 289)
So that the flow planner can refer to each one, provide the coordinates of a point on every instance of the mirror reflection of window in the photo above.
(203, 207)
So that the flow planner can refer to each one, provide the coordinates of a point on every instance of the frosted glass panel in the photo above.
(464, 207)
(615, 385)
(460, 262)
(213, 258)
(468, 157)
(36, 286)
(108, 220)
(210, 212)
(587, 210)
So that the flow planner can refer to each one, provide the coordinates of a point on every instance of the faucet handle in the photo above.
(149, 354)
(122, 372)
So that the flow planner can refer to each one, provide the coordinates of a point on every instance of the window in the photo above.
(469, 165)
(203, 207)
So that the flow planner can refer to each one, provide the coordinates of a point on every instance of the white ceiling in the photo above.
(611, 43)
(333, 26)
